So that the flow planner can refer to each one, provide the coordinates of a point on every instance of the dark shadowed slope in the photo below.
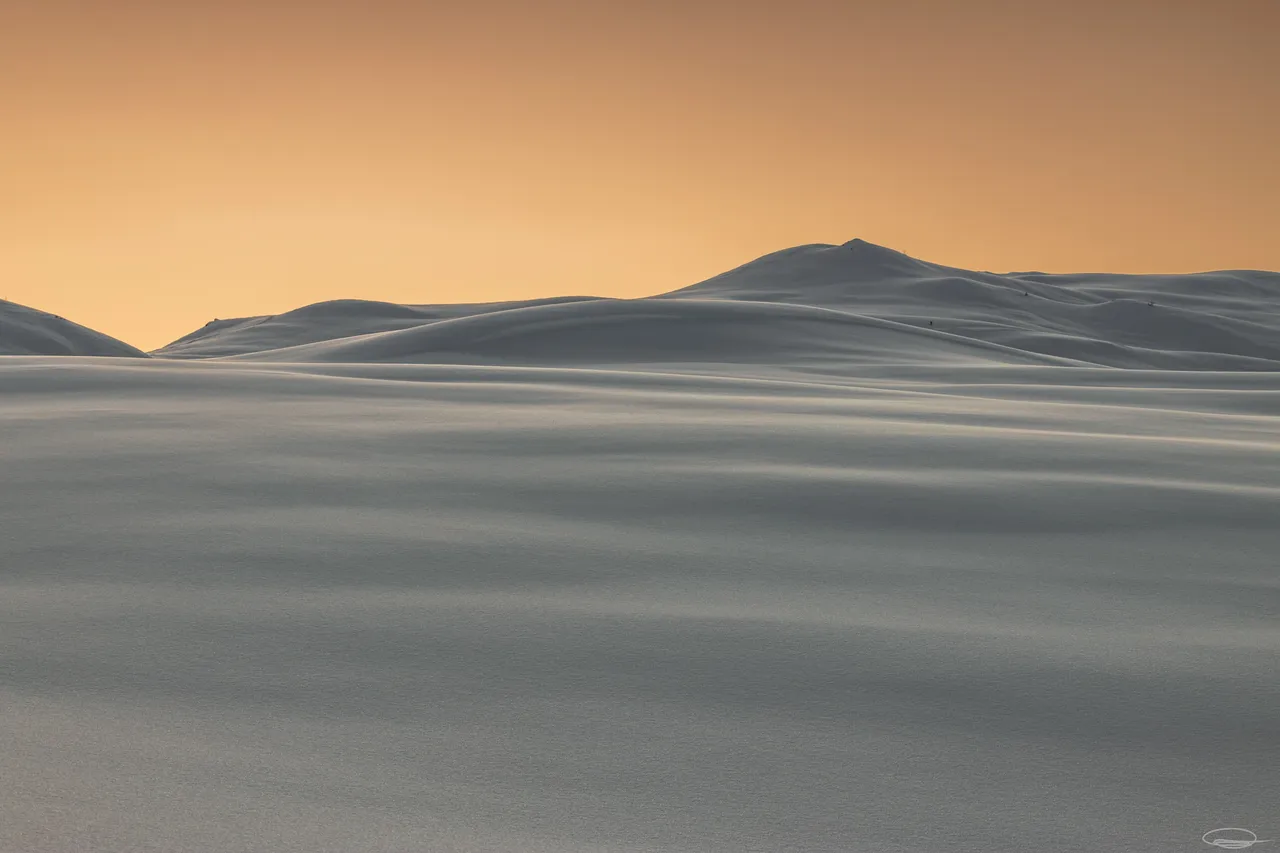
(815, 305)
(26, 331)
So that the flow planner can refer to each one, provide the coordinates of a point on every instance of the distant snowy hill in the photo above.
(1227, 320)
(324, 321)
(26, 331)
(822, 307)
(810, 306)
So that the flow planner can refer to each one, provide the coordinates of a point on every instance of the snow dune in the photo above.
(817, 305)
(765, 564)
(650, 331)
(323, 321)
(26, 331)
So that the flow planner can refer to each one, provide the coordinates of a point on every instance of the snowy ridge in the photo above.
(26, 331)
(809, 306)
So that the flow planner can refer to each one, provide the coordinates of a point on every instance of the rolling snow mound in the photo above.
(817, 305)
(26, 331)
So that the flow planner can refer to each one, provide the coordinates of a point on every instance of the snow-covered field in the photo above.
(768, 564)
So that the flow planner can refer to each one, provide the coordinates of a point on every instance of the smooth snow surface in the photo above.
(746, 568)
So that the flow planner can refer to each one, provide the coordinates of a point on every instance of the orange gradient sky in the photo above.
(165, 162)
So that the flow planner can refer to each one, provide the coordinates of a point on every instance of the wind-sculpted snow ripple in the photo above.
(340, 606)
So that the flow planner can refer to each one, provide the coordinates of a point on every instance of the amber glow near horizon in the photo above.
(163, 162)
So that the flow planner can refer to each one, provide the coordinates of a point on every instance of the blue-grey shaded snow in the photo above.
(335, 607)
